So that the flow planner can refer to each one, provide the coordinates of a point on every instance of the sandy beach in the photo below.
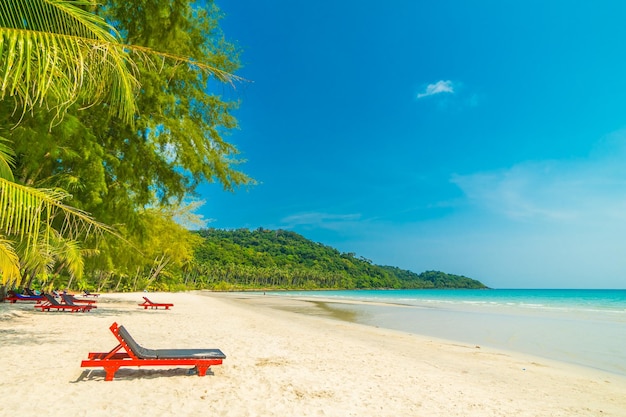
(279, 363)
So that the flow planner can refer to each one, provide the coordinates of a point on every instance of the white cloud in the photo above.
(321, 220)
(552, 191)
(537, 224)
(437, 88)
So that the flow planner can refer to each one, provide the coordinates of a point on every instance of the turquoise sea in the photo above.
(583, 327)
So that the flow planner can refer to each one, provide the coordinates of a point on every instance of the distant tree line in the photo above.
(261, 258)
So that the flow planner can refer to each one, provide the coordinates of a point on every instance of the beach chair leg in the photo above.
(110, 372)
(202, 369)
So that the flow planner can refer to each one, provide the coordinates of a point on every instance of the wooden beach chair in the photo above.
(75, 300)
(149, 304)
(69, 299)
(50, 303)
(129, 353)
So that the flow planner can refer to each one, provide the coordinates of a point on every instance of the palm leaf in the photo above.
(9, 263)
(55, 52)
(24, 209)
(38, 260)
(27, 215)
(55, 49)
(69, 254)
(7, 159)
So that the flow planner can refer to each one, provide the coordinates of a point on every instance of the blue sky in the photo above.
(482, 138)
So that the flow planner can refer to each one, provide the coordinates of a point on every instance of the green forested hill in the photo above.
(283, 259)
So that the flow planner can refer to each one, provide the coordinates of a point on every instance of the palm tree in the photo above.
(56, 53)
(27, 216)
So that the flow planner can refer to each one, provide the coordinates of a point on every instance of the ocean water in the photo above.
(582, 327)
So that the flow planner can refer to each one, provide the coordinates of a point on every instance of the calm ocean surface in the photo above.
(583, 327)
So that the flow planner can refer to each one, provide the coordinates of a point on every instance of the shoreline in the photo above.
(279, 363)
(549, 335)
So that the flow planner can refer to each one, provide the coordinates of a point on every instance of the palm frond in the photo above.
(23, 210)
(55, 49)
(9, 263)
(56, 53)
(7, 159)
(69, 254)
(149, 56)
(38, 260)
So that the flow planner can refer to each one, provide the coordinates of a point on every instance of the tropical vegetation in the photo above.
(118, 122)
(243, 259)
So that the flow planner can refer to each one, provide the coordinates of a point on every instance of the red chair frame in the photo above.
(147, 303)
(15, 297)
(128, 353)
(50, 303)
(72, 300)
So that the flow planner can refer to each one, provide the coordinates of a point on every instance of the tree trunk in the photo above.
(119, 281)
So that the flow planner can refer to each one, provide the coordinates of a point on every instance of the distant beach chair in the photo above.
(80, 300)
(14, 297)
(90, 294)
(129, 353)
(69, 299)
(147, 303)
(50, 303)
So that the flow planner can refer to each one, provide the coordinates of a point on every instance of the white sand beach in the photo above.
(279, 363)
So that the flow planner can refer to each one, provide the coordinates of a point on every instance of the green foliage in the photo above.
(114, 169)
(121, 171)
(154, 261)
(57, 52)
(284, 259)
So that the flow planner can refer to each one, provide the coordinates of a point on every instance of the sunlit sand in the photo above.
(279, 362)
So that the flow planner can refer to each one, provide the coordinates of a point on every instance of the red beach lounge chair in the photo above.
(129, 353)
(70, 300)
(50, 303)
(147, 303)
(32, 293)
(14, 297)
(74, 300)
